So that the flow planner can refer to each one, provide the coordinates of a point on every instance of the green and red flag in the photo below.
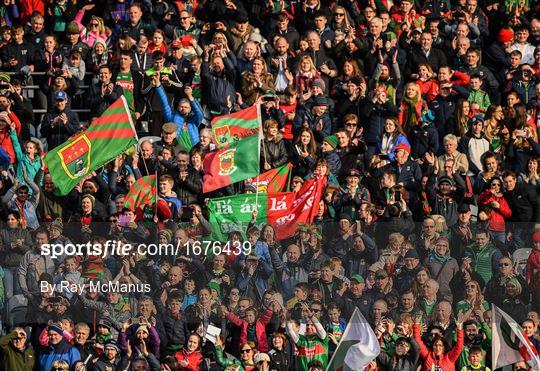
(231, 164)
(285, 211)
(143, 192)
(238, 149)
(109, 136)
(275, 180)
(229, 129)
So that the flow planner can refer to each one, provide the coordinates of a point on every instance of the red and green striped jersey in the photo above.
(311, 348)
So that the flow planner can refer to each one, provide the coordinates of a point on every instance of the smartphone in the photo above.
(397, 196)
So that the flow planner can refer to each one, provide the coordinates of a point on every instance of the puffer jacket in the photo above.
(446, 362)
(496, 216)
(60, 351)
(190, 123)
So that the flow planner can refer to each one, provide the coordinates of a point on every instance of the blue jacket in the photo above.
(61, 351)
(399, 139)
(192, 122)
(333, 160)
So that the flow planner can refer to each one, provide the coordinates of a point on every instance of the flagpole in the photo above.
(259, 118)
(492, 328)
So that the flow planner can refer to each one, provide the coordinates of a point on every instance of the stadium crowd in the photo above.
(424, 116)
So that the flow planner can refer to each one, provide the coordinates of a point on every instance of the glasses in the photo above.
(245, 351)
(94, 24)
(184, 18)
(350, 124)
(503, 264)
(339, 14)
(496, 184)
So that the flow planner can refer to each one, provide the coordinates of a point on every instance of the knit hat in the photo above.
(381, 274)
(56, 327)
(403, 146)
(476, 118)
(331, 140)
(445, 179)
(72, 28)
(506, 35)
(412, 253)
(113, 344)
(100, 41)
(215, 286)
(167, 234)
(4, 116)
(298, 179)
(57, 225)
(318, 83)
(536, 236)
(345, 216)
(105, 323)
(5, 77)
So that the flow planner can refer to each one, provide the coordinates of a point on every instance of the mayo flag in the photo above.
(285, 211)
(238, 141)
(109, 136)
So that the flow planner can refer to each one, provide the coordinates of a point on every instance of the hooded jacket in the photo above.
(60, 351)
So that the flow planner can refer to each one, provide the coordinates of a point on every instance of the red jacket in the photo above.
(532, 270)
(447, 361)
(260, 328)
(429, 89)
(5, 139)
(194, 360)
(496, 217)
(27, 7)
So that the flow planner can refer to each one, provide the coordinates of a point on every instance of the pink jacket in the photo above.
(532, 270)
(260, 328)
(87, 37)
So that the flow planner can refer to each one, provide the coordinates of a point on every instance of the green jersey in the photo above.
(312, 348)
(126, 82)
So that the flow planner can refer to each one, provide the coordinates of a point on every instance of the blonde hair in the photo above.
(60, 364)
(440, 223)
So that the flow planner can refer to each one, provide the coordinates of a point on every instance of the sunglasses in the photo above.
(350, 124)
(184, 18)
(496, 184)
(94, 24)
(339, 14)
(246, 351)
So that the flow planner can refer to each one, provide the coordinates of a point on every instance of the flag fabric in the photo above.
(109, 136)
(231, 164)
(509, 342)
(233, 213)
(275, 180)
(229, 129)
(358, 346)
(143, 192)
(286, 212)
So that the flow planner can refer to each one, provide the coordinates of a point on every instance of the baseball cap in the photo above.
(60, 96)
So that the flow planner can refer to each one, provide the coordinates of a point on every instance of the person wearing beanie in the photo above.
(111, 359)
(329, 153)
(58, 349)
(496, 56)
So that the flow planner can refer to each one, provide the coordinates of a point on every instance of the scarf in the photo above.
(434, 256)
(410, 111)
